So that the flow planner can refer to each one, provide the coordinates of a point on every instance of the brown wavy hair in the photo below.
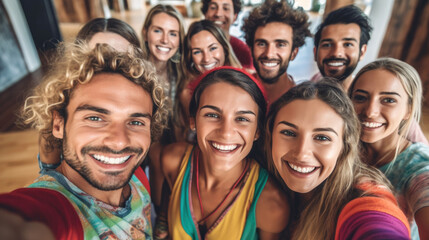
(277, 11)
(76, 64)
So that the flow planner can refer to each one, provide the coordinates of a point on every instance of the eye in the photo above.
(281, 44)
(137, 123)
(243, 119)
(260, 44)
(322, 138)
(226, 9)
(94, 119)
(325, 45)
(211, 115)
(213, 48)
(156, 30)
(288, 133)
(212, 7)
(348, 44)
(359, 98)
(195, 52)
(389, 100)
(173, 34)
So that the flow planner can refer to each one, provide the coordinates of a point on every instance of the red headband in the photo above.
(193, 85)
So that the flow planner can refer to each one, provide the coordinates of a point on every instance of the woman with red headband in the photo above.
(218, 189)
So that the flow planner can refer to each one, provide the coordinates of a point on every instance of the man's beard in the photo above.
(82, 168)
(270, 80)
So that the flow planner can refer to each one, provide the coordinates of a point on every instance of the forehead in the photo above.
(203, 38)
(310, 114)
(274, 31)
(227, 95)
(379, 80)
(165, 20)
(113, 92)
(341, 31)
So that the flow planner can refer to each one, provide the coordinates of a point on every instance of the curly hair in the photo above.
(347, 15)
(278, 11)
(236, 3)
(76, 64)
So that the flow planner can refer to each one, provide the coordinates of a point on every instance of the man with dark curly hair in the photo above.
(275, 31)
(224, 13)
(102, 108)
(340, 43)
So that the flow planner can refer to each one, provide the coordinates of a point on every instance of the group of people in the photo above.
(234, 147)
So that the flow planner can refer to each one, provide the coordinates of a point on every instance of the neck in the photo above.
(212, 176)
(383, 151)
(347, 82)
(276, 90)
(114, 197)
(160, 66)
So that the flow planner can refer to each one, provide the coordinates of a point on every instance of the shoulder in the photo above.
(171, 158)
(46, 206)
(373, 216)
(272, 209)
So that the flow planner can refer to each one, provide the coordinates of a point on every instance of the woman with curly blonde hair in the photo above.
(312, 147)
(103, 107)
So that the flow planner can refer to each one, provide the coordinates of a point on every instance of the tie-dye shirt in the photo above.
(409, 175)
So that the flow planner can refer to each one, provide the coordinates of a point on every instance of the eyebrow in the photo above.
(87, 107)
(344, 39)
(219, 110)
(383, 93)
(315, 130)
(275, 40)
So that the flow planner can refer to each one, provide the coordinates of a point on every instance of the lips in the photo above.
(303, 170)
(163, 49)
(336, 62)
(372, 124)
(224, 147)
(111, 160)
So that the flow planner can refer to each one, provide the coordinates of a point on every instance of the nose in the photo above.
(302, 150)
(218, 12)
(271, 51)
(338, 51)
(207, 56)
(226, 129)
(164, 38)
(372, 109)
(117, 137)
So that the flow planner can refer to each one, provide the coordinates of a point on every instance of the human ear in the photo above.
(256, 135)
(294, 53)
(192, 124)
(362, 51)
(57, 125)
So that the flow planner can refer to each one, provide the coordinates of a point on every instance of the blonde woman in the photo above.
(312, 147)
(387, 95)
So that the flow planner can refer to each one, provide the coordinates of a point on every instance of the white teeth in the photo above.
(218, 22)
(372, 124)
(163, 49)
(209, 66)
(336, 64)
(224, 147)
(301, 169)
(109, 160)
(270, 64)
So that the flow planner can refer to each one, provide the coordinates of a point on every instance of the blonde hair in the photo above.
(319, 217)
(76, 64)
(412, 85)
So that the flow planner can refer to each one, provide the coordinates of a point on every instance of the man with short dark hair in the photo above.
(340, 43)
(275, 31)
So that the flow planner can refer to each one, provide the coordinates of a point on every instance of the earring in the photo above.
(176, 57)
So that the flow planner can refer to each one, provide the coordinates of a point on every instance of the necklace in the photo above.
(227, 195)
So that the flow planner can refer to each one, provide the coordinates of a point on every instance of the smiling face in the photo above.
(381, 103)
(307, 139)
(106, 135)
(226, 124)
(221, 12)
(163, 37)
(338, 52)
(272, 51)
(207, 52)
